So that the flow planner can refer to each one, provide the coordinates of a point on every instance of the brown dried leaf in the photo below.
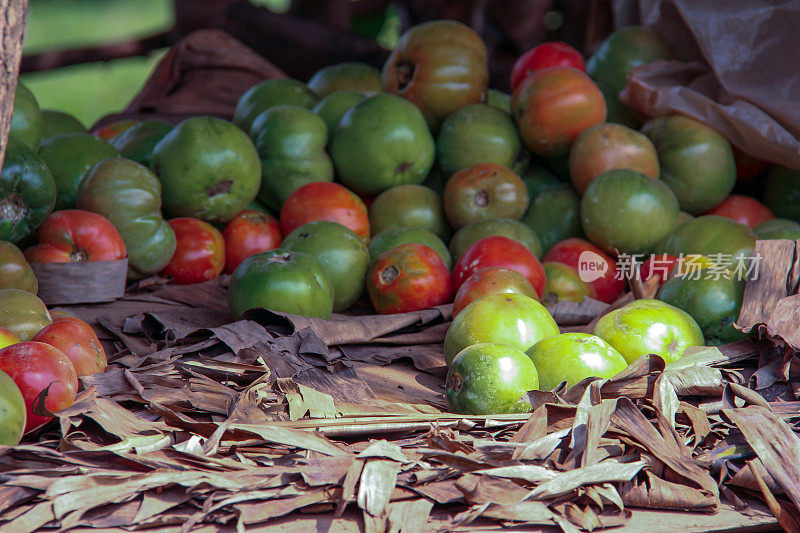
(409, 516)
(377, 482)
(774, 443)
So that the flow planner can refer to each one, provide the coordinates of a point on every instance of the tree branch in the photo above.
(12, 25)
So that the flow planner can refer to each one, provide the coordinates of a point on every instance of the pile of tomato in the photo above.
(415, 187)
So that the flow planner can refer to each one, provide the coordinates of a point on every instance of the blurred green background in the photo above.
(92, 90)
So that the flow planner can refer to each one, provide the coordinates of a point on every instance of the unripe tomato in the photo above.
(486, 379)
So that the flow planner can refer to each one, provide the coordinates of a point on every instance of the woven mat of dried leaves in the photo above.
(285, 423)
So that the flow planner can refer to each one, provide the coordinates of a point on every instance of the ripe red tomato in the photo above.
(659, 265)
(36, 367)
(492, 280)
(552, 106)
(497, 251)
(594, 266)
(325, 201)
(550, 54)
(408, 278)
(248, 233)
(744, 210)
(200, 253)
(75, 236)
(78, 341)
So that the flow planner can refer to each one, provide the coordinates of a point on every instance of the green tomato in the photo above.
(269, 93)
(723, 240)
(512, 319)
(208, 168)
(22, 313)
(554, 215)
(392, 238)
(57, 122)
(26, 118)
(572, 357)
(12, 411)
(499, 100)
(332, 108)
(778, 228)
(138, 142)
(341, 252)
(349, 76)
(69, 157)
(15, 272)
(281, 280)
(782, 192)
(505, 227)
(409, 206)
(696, 162)
(488, 379)
(714, 302)
(291, 145)
(380, 143)
(27, 192)
(626, 211)
(649, 326)
(129, 196)
(475, 134)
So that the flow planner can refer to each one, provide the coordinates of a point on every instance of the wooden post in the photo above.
(12, 24)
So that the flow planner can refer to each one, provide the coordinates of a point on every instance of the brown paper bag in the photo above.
(741, 77)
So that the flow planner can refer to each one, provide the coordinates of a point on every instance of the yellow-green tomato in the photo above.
(572, 357)
(488, 379)
(515, 320)
(649, 326)
(12, 411)
(22, 313)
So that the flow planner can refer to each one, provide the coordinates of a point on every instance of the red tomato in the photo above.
(552, 106)
(748, 167)
(744, 210)
(660, 265)
(78, 341)
(36, 367)
(551, 54)
(74, 236)
(325, 201)
(492, 280)
(497, 251)
(248, 233)
(602, 275)
(408, 278)
(200, 253)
